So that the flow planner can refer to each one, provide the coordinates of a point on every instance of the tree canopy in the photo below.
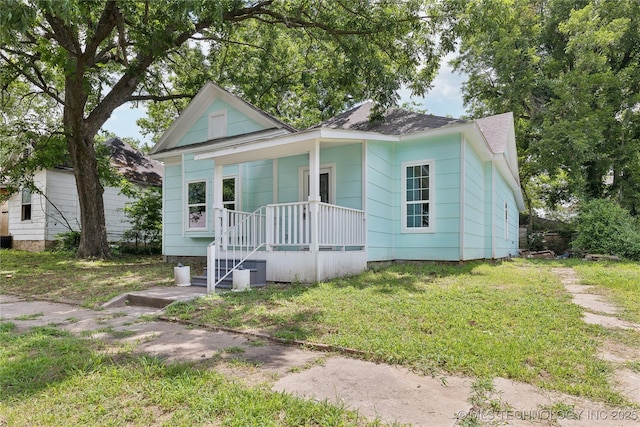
(570, 72)
(66, 65)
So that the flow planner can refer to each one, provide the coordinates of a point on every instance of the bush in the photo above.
(536, 241)
(68, 241)
(606, 228)
(145, 217)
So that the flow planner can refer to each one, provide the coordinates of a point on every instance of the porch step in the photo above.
(258, 275)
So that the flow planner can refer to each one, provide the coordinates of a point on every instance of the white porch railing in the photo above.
(283, 225)
(290, 224)
(242, 235)
(337, 226)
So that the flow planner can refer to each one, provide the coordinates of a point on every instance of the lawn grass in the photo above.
(59, 276)
(620, 279)
(512, 320)
(48, 377)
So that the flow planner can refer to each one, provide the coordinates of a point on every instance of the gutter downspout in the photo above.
(463, 176)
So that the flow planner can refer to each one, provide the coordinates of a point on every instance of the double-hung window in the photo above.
(197, 205)
(229, 193)
(417, 196)
(26, 205)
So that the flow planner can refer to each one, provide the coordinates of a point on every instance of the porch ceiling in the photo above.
(283, 146)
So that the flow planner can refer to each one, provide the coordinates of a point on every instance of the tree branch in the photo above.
(22, 71)
(158, 98)
(106, 24)
(63, 35)
(229, 41)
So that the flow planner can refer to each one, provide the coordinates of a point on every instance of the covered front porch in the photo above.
(308, 240)
(305, 241)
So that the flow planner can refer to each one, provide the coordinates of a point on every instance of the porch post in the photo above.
(217, 200)
(314, 199)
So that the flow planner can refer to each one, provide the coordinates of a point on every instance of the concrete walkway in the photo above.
(377, 391)
(599, 311)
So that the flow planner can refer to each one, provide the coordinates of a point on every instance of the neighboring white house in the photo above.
(326, 201)
(32, 220)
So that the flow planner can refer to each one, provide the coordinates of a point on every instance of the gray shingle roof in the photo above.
(496, 130)
(396, 121)
(134, 164)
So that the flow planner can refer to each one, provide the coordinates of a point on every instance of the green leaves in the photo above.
(302, 60)
(570, 73)
(606, 228)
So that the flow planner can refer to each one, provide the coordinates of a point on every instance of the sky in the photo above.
(445, 99)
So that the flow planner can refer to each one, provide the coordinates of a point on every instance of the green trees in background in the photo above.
(570, 72)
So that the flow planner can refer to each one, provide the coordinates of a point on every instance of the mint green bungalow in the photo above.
(240, 185)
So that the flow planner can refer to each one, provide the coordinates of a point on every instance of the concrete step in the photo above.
(156, 297)
(258, 275)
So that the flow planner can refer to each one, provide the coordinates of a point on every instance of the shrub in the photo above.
(536, 241)
(606, 228)
(145, 216)
(68, 241)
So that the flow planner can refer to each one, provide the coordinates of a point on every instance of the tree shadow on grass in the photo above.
(33, 360)
(285, 311)
(406, 276)
(43, 357)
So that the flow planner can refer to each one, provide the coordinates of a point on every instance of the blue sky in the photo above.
(445, 99)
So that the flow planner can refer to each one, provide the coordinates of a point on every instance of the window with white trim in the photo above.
(417, 196)
(217, 125)
(26, 205)
(197, 205)
(229, 193)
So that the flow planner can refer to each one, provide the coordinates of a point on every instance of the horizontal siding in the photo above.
(505, 246)
(257, 184)
(115, 219)
(50, 218)
(172, 212)
(175, 239)
(61, 190)
(380, 206)
(237, 124)
(488, 213)
(474, 206)
(33, 229)
(288, 172)
(348, 162)
(444, 243)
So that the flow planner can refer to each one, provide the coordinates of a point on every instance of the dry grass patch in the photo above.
(58, 276)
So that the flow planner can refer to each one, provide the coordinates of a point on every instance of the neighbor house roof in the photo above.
(396, 121)
(133, 164)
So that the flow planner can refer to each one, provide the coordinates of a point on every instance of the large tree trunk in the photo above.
(80, 142)
(93, 237)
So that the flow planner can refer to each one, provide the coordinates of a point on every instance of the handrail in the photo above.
(281, 226)
(244, 237)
